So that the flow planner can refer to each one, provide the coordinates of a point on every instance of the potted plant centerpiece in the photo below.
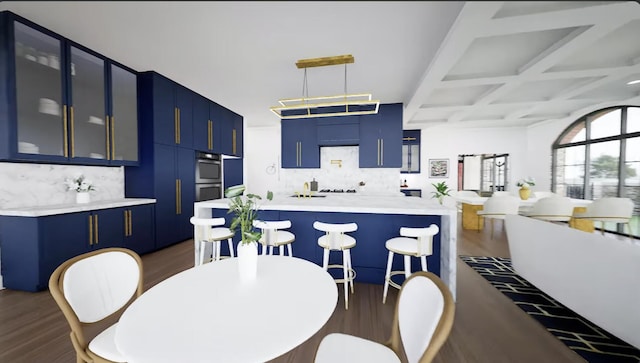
(245, 210)
(441, 191)
(524, 185)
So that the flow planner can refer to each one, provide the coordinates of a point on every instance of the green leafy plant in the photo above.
(245, 210)
(441, 191)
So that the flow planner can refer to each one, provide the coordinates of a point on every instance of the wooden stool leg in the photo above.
(387, 276)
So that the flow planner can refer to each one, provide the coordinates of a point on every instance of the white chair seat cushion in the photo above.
(402, 245)
(345, 241)
(282, 238)
(220, 233)
(104, 345)
(338, 348)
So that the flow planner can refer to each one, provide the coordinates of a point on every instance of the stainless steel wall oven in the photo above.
(208, 176)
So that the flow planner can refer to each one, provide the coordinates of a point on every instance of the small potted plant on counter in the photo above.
(441, 191)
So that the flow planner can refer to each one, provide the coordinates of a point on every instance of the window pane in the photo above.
(632, 181)
(603, 169)
(569, 171)
(633, 119)
(577, 133)
(605, 123)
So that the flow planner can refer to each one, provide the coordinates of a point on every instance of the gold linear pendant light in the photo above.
(325, 106)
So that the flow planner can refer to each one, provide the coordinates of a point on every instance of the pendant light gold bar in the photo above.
(325, 61)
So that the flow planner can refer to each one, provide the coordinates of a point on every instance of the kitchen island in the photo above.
(378, 217)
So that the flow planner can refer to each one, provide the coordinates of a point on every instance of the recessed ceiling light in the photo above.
(634, 82)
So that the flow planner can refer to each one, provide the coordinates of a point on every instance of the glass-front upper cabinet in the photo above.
(40, 104)
(61, 102)
(87, 106)
(124, 115)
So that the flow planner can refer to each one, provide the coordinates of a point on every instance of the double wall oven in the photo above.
(208, 176)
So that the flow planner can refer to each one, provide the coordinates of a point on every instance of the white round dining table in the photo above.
(206, 314)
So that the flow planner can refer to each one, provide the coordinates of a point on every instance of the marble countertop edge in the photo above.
(47, 210)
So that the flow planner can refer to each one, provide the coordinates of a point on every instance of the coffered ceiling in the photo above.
(467, 64)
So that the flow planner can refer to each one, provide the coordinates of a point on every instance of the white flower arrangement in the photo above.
(527, 182)
(79, 184)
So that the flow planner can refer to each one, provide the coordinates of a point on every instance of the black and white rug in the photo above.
(585, 338)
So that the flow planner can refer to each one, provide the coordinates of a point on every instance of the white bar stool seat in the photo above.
(335, 239)
(209, 232)
(414, 242)
(273, 236)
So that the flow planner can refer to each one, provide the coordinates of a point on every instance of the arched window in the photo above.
(599, 156)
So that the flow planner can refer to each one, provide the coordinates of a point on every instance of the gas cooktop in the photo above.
(337, 191)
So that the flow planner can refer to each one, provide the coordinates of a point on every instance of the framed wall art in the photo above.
(438, 168)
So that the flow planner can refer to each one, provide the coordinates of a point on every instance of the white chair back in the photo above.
(335, 232)
(499, 206)
(502, 194)
(610, 209)
(100, 285)
(420, 306)
(465, 194)
(424, 237)
(270, 229)
(540, 195)
(552, 209)
(207, 222)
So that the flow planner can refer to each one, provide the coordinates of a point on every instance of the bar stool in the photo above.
(335, 239)
(273, 236)
(416, 242)
(207, 231)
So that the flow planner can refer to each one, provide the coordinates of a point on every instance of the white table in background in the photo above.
(205, 314)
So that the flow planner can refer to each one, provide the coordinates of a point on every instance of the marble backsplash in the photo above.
(339, 169)
(28, 185)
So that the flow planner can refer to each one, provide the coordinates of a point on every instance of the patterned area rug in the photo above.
(585, 338)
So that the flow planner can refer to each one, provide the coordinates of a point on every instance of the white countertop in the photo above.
(349, 203)
(48, 210)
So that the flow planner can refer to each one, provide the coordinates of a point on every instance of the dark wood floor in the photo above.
(488, 327)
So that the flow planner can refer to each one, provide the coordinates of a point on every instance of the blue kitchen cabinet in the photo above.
(171, 111)
(299, 143)
(231, 132)
(59, 100)
(232, 173)
(139, 229)
(206, 125)
(339, 131)
(306, 243)
(33, 247)
(381, 138)
(174, 190)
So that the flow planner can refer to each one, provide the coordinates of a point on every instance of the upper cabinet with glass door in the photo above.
(60, 100)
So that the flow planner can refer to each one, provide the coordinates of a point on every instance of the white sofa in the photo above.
(596, 276)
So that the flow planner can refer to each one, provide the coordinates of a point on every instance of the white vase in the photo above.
(247, 261)
(83, 197)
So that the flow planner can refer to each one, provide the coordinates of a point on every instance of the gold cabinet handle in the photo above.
(73, 136)
(113, 139)
(175, 125)
(126, 223)
(209, 135)
(65, 136)
(179, 125)
(130, 224)
(90, 230)
(108, 138)
(95, 230)
(381, 152)
(233, 141)
(177, 196)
